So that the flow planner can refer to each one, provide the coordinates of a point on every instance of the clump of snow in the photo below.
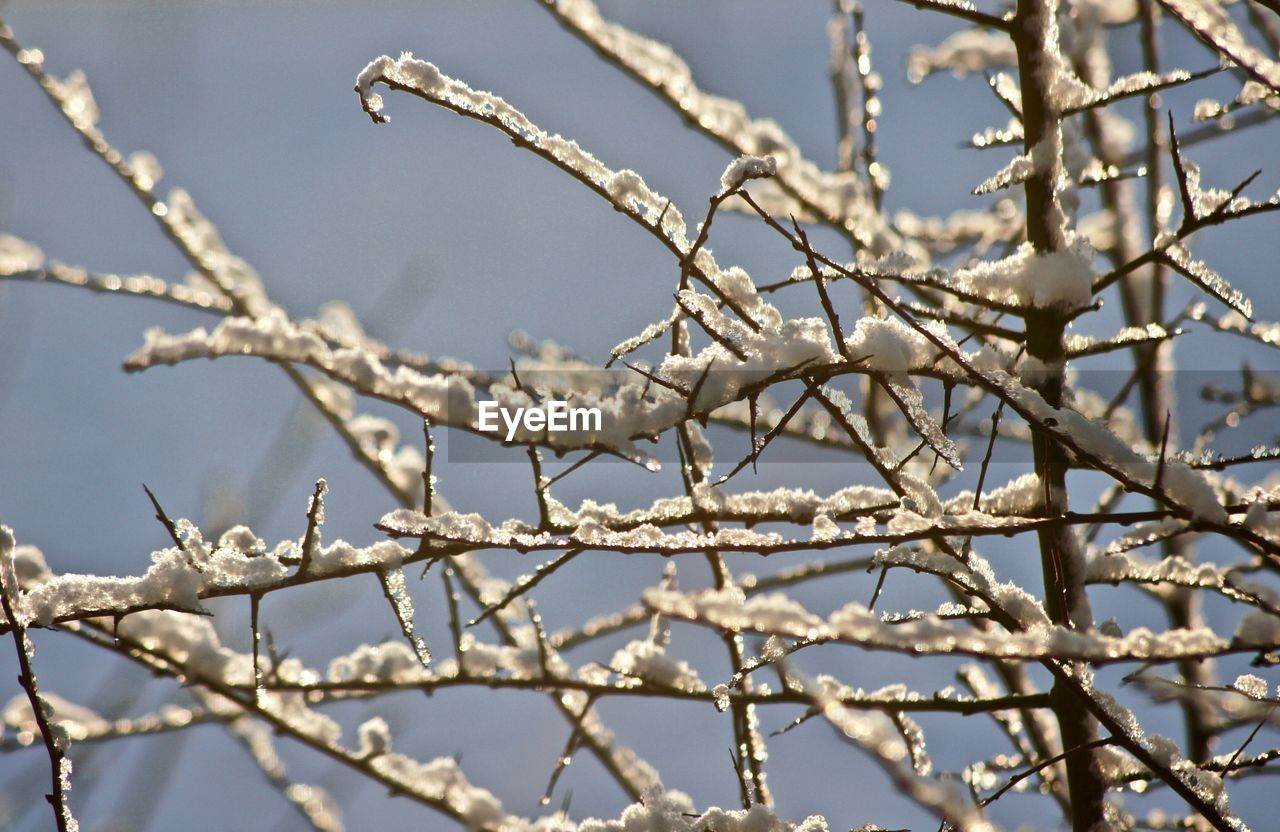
(375, 737)
(966, 51)
(441, 780)
(171, 581)
(1077, 345)
(1030, 279)
(648, 661)
(744, 168)
(824, 528)
(179, 578)
(391, 661)
(190, 641)
(673, 811)
(242, 539)
(772, 612)
(272, 336)
(29, 566)
(1019, 497)
(146, 169)
(76, 98)
(341, 556)
(18, 255)
(1258, 628)
(405, 72)
(889, 345)
(1252, 686)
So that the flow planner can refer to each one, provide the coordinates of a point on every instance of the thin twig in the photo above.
(59, 765)
(1043, 764)
(315, 519)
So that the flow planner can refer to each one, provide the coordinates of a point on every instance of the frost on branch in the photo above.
(854, 624)
(634, 411)
(72, 722)
(1251, 92)
(180, 578)
(1210, 21)
(1252, 686)
(802, 187)
(200, 238)
(273, 336)
(625, 188)
(1177, 256)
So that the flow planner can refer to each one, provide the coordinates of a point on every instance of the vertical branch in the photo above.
(169, 525)
(540, 488)
(876, 173)
(255, 634)
(59, 765)
(1149, 20)
(428, 478)
(749, 745)
(570, 746)
(749, 751)
(315, 519)
(455, 621)
(841, 73)
(1035, 35)
(875, 402)
(851, 77)
(986, 458)
(397, 595)
(849, 55)
(820, 282)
